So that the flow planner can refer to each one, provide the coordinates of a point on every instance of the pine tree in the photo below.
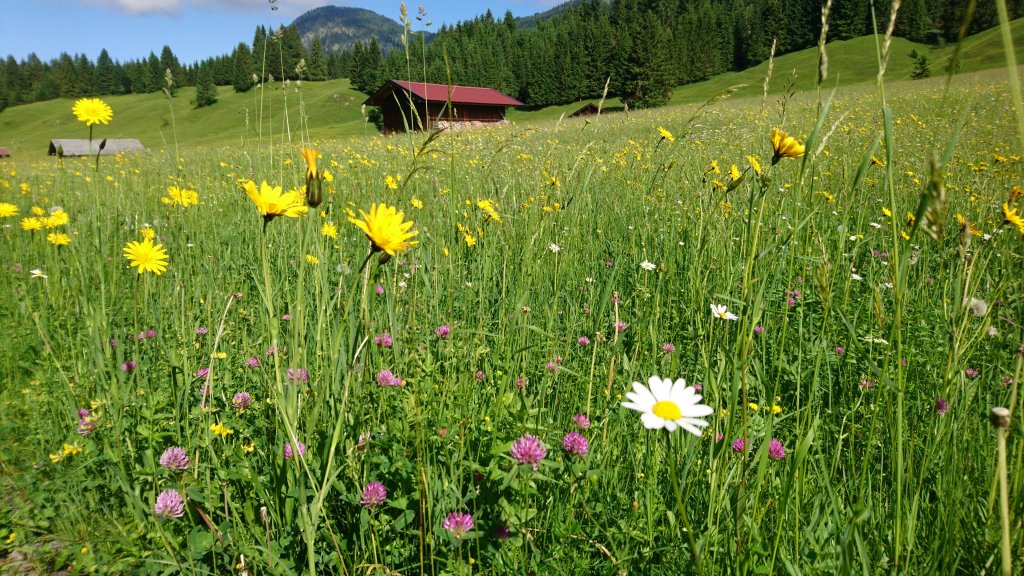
(168, 61)
(206, 90)
(106, 78)
(242, 69)
(317, 63)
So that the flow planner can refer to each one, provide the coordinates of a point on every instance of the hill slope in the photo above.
(340, 27)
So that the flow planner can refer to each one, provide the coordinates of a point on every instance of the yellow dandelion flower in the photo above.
(488, 207)
(310, 259)
(714, 167)
(180, 197)
(754, 164)
(392, 181)
(734, 173)
(36, 210)
(57, 219)
(1012, 217)
(329, 229)
(31, 224)
(147, 233)
(887, 212)
(875, 161)
(904, 235)
(58, 238)
(416, 203)
(271, 203)
(785, 146)
(387, 229)
(146, 256)
(309, 155)
(666, 135)
(7, 210)
(92, 111)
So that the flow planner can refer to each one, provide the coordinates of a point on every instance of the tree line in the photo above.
(645, 48)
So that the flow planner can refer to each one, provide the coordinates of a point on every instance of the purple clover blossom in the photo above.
(174, 458)
(128, 366)
(442, 331)
(203, 373)
(383, 340)
(169, 504)
(697, 387)
(200, 331)
(286, 317)
(379, 290)
(480, 375)
(758, 329)
(840, 350)
(241, 400)
(740, 445)
(528, 449)
(972, 373)
(621, 326)
(866, 384)
(583, 341)
(150, 334)
(582, 421)
(576, 444)
(252, 362)
(668, 347)
(387, 379)
(373, 495)
(776, 451)
(85, 423)
(298, 375)
(289, 452)
(458, 523)
(941, 405)
(552, 367)
(521, 382)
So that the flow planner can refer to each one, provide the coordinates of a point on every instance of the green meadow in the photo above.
(287, 397)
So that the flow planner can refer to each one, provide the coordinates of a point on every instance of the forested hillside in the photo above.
(642, 48)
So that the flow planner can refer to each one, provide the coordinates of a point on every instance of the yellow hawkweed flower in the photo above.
(38, 211)
(785, 146)
(329, 230)
(310, 259)
(734, 173)
(31, 223)
(416, 203)
(754, 164)
(7, 210)
(58, 238)
(392, 181)
(147, 233)
(146, 256)
(488, 207)
(387, 229)
(1012, 217)
(666, 135)
(57, 219)
(887, 212)
(876, 162)
(271, 203)
(92, 111)
(310, 156)
(180, 197)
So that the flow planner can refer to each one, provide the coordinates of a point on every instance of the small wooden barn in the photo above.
(589, 109)
(80, 147)
(4, 152)
(469, 105)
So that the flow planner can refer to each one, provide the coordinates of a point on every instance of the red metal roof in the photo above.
(459, 94)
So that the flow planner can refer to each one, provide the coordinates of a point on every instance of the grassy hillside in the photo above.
(333, 108)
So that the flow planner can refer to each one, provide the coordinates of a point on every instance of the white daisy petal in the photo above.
(671, 425)
(697, 410)
(690, 425)
(641, 394)
(661, 389)
(652, 422)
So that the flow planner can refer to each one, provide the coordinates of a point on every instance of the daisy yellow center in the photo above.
(667, 410)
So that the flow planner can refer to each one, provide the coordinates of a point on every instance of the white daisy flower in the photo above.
(555, 248)
(720, 311)
(647, 265)
(668, 405)
(37, 273)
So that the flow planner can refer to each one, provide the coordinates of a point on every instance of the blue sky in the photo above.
(194, 29)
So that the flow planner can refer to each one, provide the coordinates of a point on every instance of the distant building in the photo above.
(4, 152)
(417, 105)
(80, 147)
(590, 109)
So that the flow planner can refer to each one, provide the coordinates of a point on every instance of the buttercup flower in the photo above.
(146, 256)
(668, 405)
(271, 203)
(785, 146)
(387, 229)
(92, 111)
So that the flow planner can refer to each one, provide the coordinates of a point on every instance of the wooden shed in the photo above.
(4, 152)
(80, 147)
(469, 105)
(590, 109)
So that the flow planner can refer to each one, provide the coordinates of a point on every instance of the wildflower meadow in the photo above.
(768, 335)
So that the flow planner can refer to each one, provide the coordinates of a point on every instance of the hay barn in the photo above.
(469, 105)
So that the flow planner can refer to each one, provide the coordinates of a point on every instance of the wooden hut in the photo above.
(589, 109)
(4, 152)
(80, 147)
(469, 105)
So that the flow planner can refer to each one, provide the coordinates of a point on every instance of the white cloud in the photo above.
(175, 7)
